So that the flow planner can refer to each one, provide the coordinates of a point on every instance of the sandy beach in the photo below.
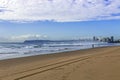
(90, 64)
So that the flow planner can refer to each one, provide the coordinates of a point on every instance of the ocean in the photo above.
(15, 50)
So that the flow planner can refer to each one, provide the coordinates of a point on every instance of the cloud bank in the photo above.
(59, 10)
(21, 38)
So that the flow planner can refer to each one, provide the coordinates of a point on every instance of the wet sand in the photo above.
(91, 64)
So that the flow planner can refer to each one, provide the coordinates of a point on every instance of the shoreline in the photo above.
(24, 56)
(22, 68)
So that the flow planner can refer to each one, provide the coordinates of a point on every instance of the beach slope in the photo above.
(90, 64)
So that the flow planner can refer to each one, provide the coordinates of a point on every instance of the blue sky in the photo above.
(59, 30)
(58, 19)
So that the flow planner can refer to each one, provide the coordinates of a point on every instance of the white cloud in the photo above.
(28, 37)
(59, 10)
(21, 38)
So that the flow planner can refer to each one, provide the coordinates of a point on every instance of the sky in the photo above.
(58, 19)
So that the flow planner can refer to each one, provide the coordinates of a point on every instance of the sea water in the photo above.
(15, 50)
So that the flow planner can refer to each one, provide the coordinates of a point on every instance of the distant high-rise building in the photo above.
(94, 38)
(112, 38)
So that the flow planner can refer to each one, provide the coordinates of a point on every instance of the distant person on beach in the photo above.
(93, 45)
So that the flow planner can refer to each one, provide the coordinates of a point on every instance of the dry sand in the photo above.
(91, 64)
